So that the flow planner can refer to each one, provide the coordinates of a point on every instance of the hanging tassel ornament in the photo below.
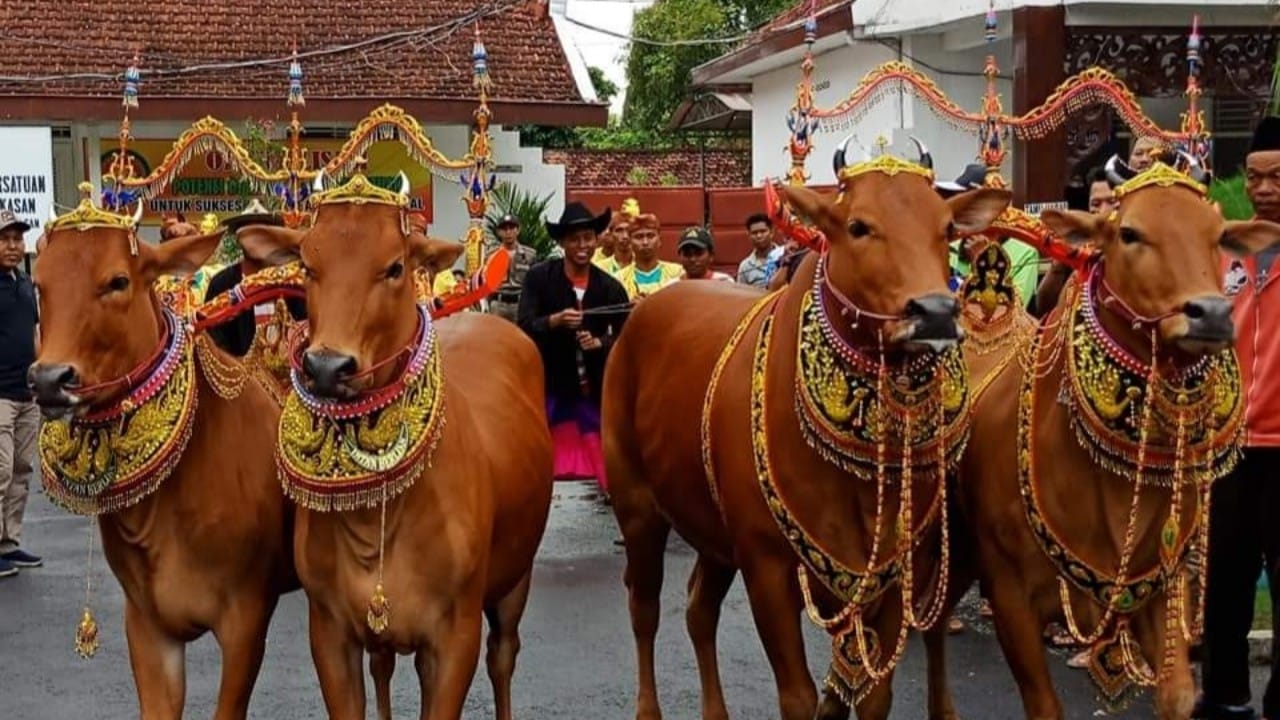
(992, 23)
(295, 81)
(379, 615)
(87, 632)
(131, 79)
(480, 64)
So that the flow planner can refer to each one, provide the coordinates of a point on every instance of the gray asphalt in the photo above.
(577, 660)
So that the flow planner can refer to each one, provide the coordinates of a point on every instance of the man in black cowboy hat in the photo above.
(1024, 260)
(236, 335)
(1244, 539)
(574, 311)
(506, 299)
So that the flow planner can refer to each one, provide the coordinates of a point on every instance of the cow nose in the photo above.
(50, 380)
(933, 322)
(1209, 318)
(327, 370)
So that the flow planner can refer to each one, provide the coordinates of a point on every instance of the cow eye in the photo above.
(394, 270)
(859, 229)
(1129, 236)
(119, 283)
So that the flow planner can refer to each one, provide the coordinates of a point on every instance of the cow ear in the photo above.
(433, 254)
(808, 203)
(270, 245)
(179, 256)
(1074, 226)
(1244, 238)
(975, 210)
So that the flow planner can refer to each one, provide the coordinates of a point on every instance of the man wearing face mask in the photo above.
(1244, 538)
(19, 418)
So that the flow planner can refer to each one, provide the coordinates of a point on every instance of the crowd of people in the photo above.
(574, 305)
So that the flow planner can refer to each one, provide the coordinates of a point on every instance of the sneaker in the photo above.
(7, 569)
(19, 558)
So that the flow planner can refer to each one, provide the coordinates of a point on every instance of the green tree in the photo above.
(606, 89)
(659, 76)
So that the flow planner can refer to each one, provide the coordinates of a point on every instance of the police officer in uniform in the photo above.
(506, 298)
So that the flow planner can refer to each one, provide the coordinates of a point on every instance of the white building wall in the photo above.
(835, 75)
(964, 84)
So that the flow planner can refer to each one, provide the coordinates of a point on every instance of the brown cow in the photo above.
(1157, 286)
(208, 549)
(887, 265)
(460, 540)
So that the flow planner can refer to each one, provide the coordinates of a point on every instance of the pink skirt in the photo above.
(575, 433)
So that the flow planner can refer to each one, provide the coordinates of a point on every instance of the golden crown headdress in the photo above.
(359, 190)
(884, 163)
(1158, 175)
(86, 215)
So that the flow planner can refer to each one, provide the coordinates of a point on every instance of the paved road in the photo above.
(577, 661)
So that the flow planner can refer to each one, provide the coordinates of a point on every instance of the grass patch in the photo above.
(1262, 609)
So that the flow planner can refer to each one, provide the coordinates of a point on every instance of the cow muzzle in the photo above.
(49, 383)
(1209, 327)
(329, 373)
(930, 324)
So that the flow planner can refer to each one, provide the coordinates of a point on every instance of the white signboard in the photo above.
(26, 176)
(1037, 208)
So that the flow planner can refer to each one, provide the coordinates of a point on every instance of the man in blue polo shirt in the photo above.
(19, 418)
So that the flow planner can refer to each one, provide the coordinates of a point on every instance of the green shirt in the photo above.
(1023, 259)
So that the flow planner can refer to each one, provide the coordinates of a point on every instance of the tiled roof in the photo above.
(405, 49)
(612, 168)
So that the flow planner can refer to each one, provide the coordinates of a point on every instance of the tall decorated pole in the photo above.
(800, 120)
(114, 195)
(294, 189)
(992, 133)
(1193, 125)
(478, 181)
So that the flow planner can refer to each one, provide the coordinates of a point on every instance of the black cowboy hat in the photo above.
(576, 215)
(255, 213)
(972, 178)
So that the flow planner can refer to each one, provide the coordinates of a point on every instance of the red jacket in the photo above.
(1256, 313)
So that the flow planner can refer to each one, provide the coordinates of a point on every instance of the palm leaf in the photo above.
(529, 209)
(1230, 194)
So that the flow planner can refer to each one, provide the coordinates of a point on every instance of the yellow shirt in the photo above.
(639, 283)
(444, 283)
(607, 264)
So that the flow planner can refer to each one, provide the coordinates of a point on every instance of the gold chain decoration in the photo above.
(95, 467)
(225, 375)
(1199, 410)
(735, 339)
(330, 465)
(844, 415)
(859, 661)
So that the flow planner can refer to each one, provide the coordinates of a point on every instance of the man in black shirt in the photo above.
(19, 418)
(556, 310)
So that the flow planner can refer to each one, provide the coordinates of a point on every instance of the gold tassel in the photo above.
(379, 616)
(87, 635)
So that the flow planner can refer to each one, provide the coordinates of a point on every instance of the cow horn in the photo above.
(318, 185)
(926, 159)
(137, 214)
(1118, 171)
(404, 184)
(838, 160)
(53, 213)
(1195, 169)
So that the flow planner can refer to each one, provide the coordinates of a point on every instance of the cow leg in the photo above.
(382, 665)
(504, 644)
(708, 584)
(1175, 694)
(456, 652)
(886, 617)
(159, 666)
(243, 640)
(941, 706)
(774, 592)
(338, 665)
(644, 535)
(1019, 630)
